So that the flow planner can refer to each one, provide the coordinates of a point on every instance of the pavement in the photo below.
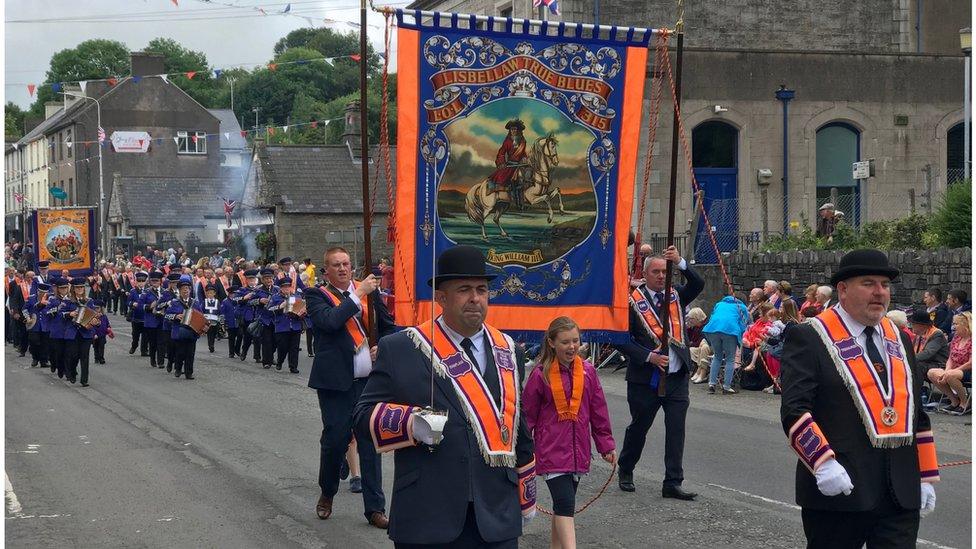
(230, 459)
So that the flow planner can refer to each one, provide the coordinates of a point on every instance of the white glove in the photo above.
(527, 517)
(928, 499)
(832, 479)
(421, 430)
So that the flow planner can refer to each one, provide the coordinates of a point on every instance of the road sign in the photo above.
(862, 170)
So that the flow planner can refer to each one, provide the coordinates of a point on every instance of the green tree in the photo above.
(13, 121)
(89, 60)
(953, 221)
(203, 87)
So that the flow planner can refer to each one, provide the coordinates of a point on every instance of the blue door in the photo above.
(715, 161)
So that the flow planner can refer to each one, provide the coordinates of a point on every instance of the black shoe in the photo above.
(267, 366)
(728, 390)
(21, 354)
(53, 368)
(60, 375)
(132, 351)
(356, 485)
(232, 355)
(72, 380)
(344, 470)
(293, 370)
(211, 349)
(626, 481)
(84, 384)
(311, 355)
(34, 363)
(257, 361)
(278, 367)
(152, 364)
(675, 492)
(711, 389)
(178, 373)
(188, 376)
(144, 354)
(169, 368)
(243, 358)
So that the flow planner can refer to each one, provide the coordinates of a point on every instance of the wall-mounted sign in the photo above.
(130, 142)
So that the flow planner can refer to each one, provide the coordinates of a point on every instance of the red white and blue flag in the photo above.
(553, 5)
(101, 135)
(229, 206)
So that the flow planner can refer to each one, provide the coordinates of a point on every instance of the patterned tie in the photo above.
(658, 300)
(874, 355)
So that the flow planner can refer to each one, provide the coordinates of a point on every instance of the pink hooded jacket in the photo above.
(564, 446)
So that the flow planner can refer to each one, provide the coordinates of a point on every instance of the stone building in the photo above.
(310, 196)
(876, 79)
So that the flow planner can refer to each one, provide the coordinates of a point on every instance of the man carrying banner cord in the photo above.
(649, 359)
(473, 486)
(339, 311)
(853, 413)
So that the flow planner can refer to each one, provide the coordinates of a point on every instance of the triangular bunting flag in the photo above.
(326, 122)
(217, 73)
(226, 135)
(165, 77)
(243, 133)
(190, 75)
(329, 61)
(30, 89)
(315, 124)
(176, 140)
(194, 138)
(176, 3)
(271, 130)
(136, 79)
(302, 62)
(112, 81)
(16, 146)
(56, 87)
(83, 84)
(272, 66)
(68, 143)
(287, 9)
(355, 57)
(285, 128)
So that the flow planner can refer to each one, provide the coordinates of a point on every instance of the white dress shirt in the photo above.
(478, 341)
(362, 363)
(674, 363)
(857, 330)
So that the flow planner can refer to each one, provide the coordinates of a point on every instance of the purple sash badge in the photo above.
(456, 365)
(848, 349)
(503, 359)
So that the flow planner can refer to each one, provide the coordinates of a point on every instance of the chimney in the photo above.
(352, 133)
(51, 108)
(70, 100)
(146, 63)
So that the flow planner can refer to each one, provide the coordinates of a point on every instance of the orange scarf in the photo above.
(568, 409)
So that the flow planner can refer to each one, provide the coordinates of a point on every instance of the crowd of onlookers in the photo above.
(743, 339)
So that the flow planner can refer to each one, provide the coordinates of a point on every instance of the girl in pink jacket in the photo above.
(562, 402)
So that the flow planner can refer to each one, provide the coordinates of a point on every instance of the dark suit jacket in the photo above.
(935, 354)
(811, 383)
(332, 368)
(641, 344)
(943, 318)
(431, 490)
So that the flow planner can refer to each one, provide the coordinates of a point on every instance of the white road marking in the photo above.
(13, 505)
(920, 541)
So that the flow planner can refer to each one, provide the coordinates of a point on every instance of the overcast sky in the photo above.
(229, 36)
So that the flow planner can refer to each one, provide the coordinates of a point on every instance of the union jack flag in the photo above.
(18, 197)
(101, 135)
(229, 206)
(553, 5)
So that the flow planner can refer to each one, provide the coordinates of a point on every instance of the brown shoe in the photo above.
(324, 507)
(379, 520)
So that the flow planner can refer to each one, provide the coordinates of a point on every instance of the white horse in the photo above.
(536, 187)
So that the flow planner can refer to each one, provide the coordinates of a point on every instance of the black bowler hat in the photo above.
(920, 317)
(862, 263)
(42, 264)
(460, 262)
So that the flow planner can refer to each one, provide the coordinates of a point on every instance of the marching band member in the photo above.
(37, 335)
(183, 337)
(20, 291)
(649, 359)
(102, 331)
(265, 291)
(287, 326)
(339, 312)
(139, 338)
(151, 321)
(853, 413)
(78, 338)
(248, 305)
(42, 274)
(476, 486)
(57, 324)
(211, 308)
(167, 294)
(229, 314)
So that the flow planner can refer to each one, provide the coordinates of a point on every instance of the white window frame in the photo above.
(185, 144)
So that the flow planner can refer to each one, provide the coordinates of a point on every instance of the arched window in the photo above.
(714, 145)
(955, 153)
(838, 147)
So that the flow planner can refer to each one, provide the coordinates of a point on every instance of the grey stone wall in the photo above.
(945, 268)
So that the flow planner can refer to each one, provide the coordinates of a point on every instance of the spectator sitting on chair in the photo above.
(771, 289)
(931, 346)
(957, 302)
(938, 311)
(694, 321)
(901, 321)
(811, 298)
(958, 369)
(756, 298)
(824, 293)
(809, 312)
(756, 379)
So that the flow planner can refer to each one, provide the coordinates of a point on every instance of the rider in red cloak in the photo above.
(511, 154)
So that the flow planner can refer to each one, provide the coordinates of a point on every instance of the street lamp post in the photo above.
(966, 43)
(102, 213)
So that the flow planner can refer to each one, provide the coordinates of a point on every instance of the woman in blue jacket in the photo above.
(723, 332)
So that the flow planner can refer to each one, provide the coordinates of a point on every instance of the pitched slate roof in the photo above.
(171, 202)
(229, 125)
(318, 178)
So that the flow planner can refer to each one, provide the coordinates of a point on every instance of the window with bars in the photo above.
(191, 142)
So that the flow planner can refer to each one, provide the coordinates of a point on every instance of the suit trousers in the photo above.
(150, 337)
(121, 303)
(57, 346)
(267, 346)
(162, 345)
(22, 336)
(336, 408)
(136, 336)
(644, 404)
(185, 351)
(98, 346)
(212, 336)
(310, 341)
(38, 346)
(470, 538)
(78, 351)
(233, 341)
(887, 526)
(247, 340)
(287, 344)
